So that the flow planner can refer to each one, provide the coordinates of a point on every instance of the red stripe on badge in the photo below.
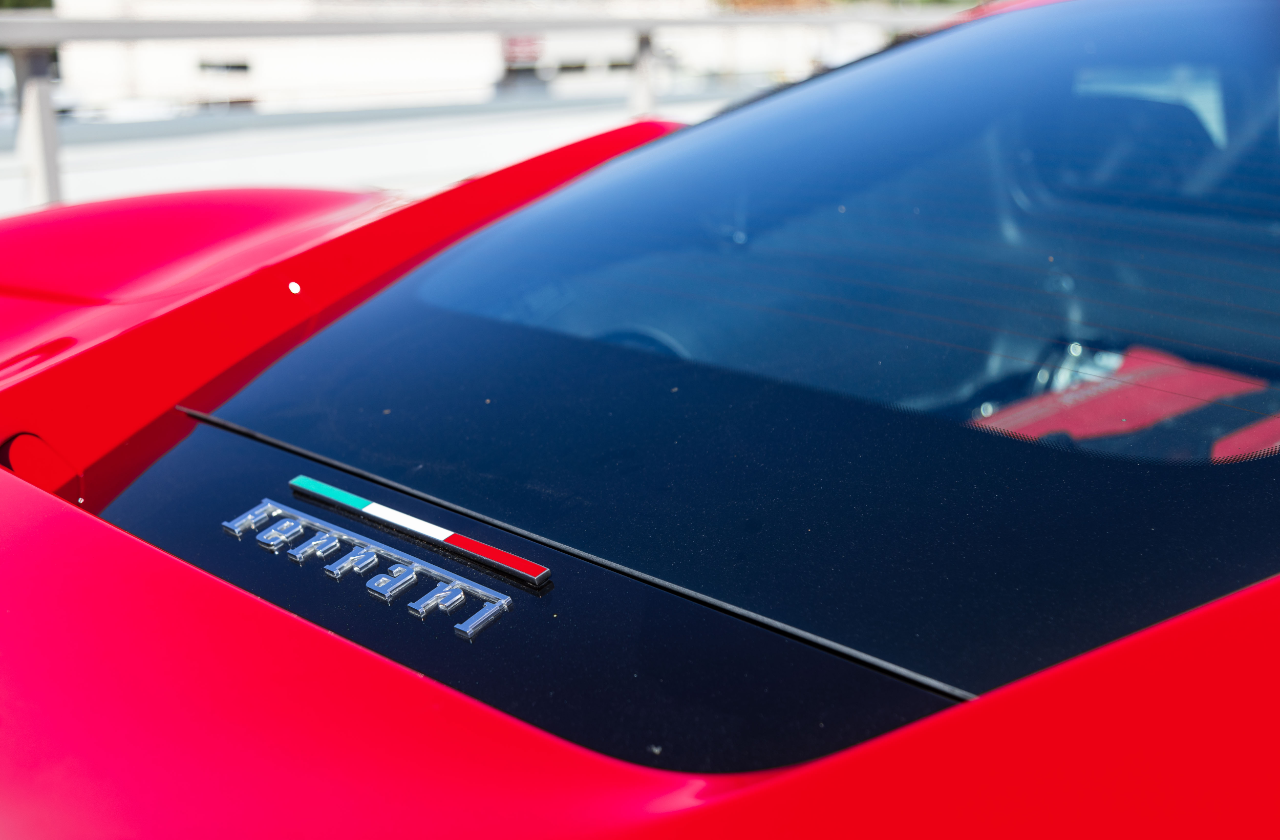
(500, 557)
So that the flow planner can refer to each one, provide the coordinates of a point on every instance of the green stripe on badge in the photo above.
(329, 492)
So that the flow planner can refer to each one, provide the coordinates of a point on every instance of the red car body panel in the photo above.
(166, 702)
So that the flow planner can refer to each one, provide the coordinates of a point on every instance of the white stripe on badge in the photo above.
(409, 523)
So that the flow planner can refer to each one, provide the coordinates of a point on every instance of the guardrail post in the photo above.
(643, 99)
(37, 142)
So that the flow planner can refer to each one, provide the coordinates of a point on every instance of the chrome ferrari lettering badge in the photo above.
(280, 534)
(250, 520)
(280, 528)
(321, 545)
(359, 560)
(397, 579)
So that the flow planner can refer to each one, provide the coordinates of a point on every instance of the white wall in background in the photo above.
(300, 9)
(286, 74)
(147, 80)
(790, 53)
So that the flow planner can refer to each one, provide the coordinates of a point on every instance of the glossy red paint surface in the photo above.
(76, 278)
(149, 240)
(35, 461)
(76, 274)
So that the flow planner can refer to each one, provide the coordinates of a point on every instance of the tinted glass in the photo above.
(692, 364)
(1062, 223)
(572, 657)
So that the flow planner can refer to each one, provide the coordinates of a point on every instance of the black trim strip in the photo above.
(796, 633)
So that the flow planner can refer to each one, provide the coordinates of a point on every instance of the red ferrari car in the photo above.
(888, 456)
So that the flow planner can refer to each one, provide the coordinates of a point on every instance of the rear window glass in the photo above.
(1072, 238)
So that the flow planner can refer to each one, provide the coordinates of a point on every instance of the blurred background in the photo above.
(108, 98)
